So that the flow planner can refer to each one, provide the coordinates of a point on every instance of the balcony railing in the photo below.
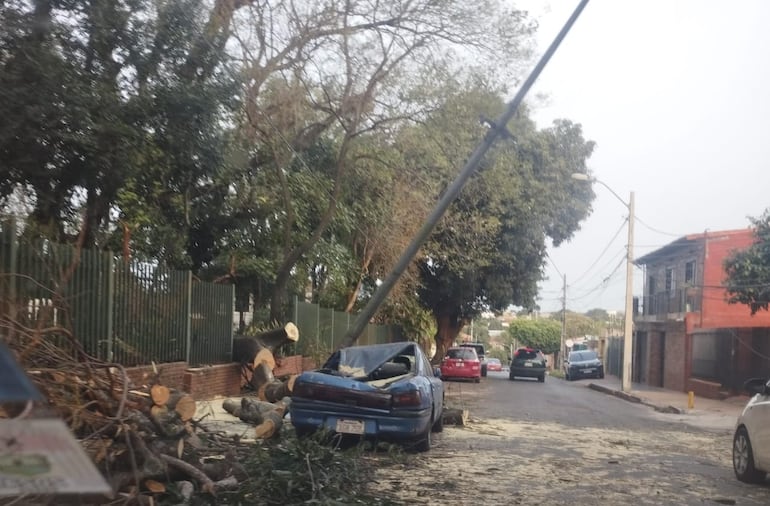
(682, 300)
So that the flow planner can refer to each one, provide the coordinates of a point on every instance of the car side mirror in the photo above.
(757, 386)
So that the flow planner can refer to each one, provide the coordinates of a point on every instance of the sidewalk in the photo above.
(706, 413)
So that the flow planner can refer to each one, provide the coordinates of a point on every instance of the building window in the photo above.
(689, 273)
(670, 281)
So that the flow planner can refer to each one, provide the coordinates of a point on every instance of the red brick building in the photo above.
(686, 335)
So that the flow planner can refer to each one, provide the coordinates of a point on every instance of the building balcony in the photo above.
(668, 304)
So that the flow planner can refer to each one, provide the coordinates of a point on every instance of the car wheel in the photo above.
(423, 444)
(438, 425)
(601, 375)
(541, 378)
(483, 370)
(477, 380)
(511, 377)
(743, 458)
(566, 377)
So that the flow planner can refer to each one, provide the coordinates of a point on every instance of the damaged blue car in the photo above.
(384, 392)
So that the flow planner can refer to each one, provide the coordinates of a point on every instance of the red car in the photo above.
(461, 363)
(494, 364)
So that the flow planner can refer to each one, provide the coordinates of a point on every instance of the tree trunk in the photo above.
(448, 328)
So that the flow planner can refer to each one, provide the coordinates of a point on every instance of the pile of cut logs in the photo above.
(144, 437)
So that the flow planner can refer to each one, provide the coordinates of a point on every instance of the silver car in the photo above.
(751, 444)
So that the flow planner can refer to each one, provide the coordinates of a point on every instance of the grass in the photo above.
(556, 373)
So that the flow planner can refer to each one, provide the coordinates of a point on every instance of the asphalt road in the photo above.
(560, 442)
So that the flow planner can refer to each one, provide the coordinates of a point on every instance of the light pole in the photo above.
(628, 328)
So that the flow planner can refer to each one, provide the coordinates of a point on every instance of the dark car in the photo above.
(528, 363)
(461, 362)
(583, 364)
(382, 392)
(480, 352)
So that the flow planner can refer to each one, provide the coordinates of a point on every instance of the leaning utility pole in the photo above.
(497, 129)
(563, 319)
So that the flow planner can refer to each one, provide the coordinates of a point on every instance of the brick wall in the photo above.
(170, 374)
(212, 381)
(706, 389)
(675, 351)
(202, 382)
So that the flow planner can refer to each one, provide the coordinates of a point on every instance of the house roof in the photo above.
(676, 245)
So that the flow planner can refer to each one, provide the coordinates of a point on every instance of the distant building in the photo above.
(686, 335)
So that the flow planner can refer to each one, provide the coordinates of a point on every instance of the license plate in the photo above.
(527, 364)
(588, 370)
(350, 426)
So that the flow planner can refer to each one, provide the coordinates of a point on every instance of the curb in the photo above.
(635, 399)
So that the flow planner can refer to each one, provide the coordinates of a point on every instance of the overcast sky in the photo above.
(674, 92)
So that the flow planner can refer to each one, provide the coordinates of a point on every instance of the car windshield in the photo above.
(494, 361)
(582, 356)
(462, 353)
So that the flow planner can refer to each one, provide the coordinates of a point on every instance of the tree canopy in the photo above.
(289, 148)
(542, 334)
(748, 271)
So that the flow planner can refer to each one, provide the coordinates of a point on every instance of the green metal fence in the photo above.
(323, 329)
(126, 312)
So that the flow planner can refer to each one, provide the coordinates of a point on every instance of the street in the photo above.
(560, 442)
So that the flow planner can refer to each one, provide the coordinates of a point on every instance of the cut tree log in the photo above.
(160, 394)
(261, 375)
(270, 427)
(183, 404)
(277, 390)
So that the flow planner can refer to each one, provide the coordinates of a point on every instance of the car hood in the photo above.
(360, 361)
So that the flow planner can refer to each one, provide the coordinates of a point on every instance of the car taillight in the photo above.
(411, 398)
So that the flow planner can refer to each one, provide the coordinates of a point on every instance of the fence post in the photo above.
(188, 325)
(110, 305)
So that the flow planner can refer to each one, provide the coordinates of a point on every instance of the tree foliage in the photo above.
(544, 334)
(748, 271)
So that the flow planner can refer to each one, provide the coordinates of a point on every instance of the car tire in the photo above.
(601, 375)
(438, 425)
(423, 443)
(477, 380)
(511, 377)
(484, 370)
(566, 376)
(541, 378)
(743, 458)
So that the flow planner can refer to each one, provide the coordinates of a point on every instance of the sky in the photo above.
(674, 93)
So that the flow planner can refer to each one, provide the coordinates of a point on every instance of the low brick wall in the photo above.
(706, 389)
(212, 381)
(202, 382)
(170, 374)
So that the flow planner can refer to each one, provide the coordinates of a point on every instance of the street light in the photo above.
(629, 321)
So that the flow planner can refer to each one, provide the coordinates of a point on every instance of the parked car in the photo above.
(494, 364)
(386, 392)
(461, 362)
(479, 347)
(528, 363)
(583, 364)
(751, 443)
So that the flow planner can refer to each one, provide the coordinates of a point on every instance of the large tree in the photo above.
(543, 334)
(344, 69)
(748, 270)
(488, 252)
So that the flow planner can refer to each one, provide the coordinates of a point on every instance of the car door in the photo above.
(436, 387)
(759, 420)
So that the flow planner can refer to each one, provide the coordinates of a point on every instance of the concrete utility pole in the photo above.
(497, 129)
(628, 329)
(563, 321)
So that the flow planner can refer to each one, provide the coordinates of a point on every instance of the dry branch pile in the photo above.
(143, 437)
